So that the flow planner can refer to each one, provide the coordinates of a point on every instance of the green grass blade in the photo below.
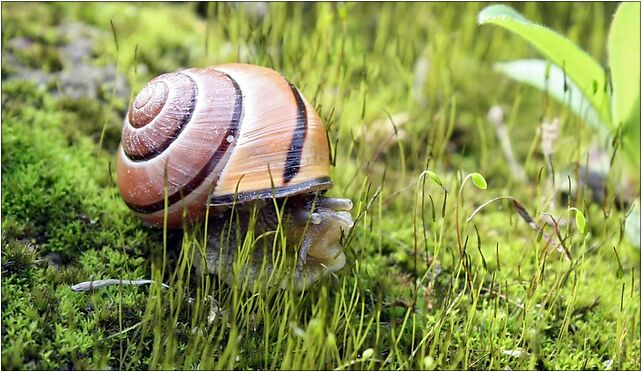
(579, 66)
(548, 77)
(624, 62)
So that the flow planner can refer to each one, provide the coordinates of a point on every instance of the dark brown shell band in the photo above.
(293, 158)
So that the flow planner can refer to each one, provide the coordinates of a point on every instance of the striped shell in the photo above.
(218, 132)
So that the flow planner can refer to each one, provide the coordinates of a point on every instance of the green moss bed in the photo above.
(402, 88)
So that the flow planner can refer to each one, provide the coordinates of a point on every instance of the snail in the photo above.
(233, 142)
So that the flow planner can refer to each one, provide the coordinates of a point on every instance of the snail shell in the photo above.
(215, 136)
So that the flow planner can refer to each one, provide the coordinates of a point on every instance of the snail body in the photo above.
(231, 135)
(318, 235)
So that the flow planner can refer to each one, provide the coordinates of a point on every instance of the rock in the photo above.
(81, 39)
(20, 43)
(79, 76)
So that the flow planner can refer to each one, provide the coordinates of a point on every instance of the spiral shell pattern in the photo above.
(216, 136)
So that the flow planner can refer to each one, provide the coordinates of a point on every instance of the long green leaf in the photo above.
(587, 74)
(548, 77)
(624, 61)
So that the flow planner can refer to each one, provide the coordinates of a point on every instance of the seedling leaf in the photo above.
(428, 362)
(434, 177)
(580, 221)
(367, 354)
(479, 181)
(624, 62)
(578, 65)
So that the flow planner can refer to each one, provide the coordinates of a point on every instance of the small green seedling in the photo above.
(367, 354)
(479, 181)
(434, 177)
(580, 220)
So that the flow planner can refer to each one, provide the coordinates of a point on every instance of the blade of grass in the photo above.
(624, 64)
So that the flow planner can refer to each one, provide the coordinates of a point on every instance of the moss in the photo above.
(19, 19)
(94, 119)
(35, 45)
(56, 199)
(18, 257)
